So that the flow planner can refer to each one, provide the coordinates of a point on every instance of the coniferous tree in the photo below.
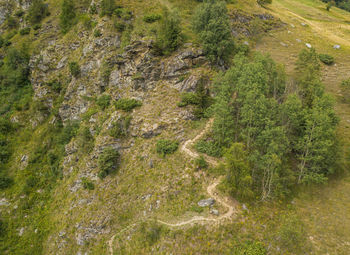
(169, 36)
(212, 25)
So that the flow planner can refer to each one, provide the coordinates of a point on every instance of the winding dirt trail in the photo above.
(229, 204)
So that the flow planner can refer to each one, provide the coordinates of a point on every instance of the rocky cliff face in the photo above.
(133, 72)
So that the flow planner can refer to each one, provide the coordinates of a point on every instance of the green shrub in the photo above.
(40, 106)
(108, 161)
(6, 126)
(150, 18)
(25, 31)
(196, 208)
(36, 26)
(326, 59)
(69, 131)
(345, 90)
(118, 12)
(201, 163)
(251, 248)
(126, 104)
(169, 37)
(165, 146)
(104, 101)
(189, 99)
(4, 149)
(86, 21)
(106, 72)
(55, 85)
(209, 148)
(15, 71)
(87, 184)
(97, 33)
(74, 69)
(19, 13)
(3, 228)
(264, 2)
(5, 182)
(120, 127)
(37, 11)
(11, 22)
(120, 26)
(108, 7)
(67, 16)
(93, 9)
(151, 232)
(201, 99)
(85, 140)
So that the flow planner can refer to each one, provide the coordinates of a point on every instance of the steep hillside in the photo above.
(100, 126)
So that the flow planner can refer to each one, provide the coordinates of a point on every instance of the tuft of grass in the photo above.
(326, 59)
(108, 162)
(127, 104)
(150, 18)
(165, 146)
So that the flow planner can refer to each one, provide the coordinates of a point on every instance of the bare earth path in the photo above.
(229, 204)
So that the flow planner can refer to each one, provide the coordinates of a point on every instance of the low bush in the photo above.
(120, 127)
(87, 184)
(150, 18)
(36, 26)
(97, 33)
(86, 21)
(103, 101)
(69, 131)
(108, 7)
(201, 99)
(4, 150)
(93, 9)
(151, 232)
(251, 248)
(209, 148)
(326, 59)
(126, 104)
(189, 99)
(55, 85)
(11, 22)
(6, 126)
(120, 26)
(74, 69)
(108, 162)
(25, 31)
(85, 140)
(264, 2)
(165, 146)
(19, 13)
(5, 182)
(345, 90)
(37, 11)
(201, 163)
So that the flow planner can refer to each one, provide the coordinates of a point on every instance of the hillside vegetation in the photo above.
(174, 127)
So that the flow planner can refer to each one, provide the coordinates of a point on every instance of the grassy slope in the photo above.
(323, 209)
